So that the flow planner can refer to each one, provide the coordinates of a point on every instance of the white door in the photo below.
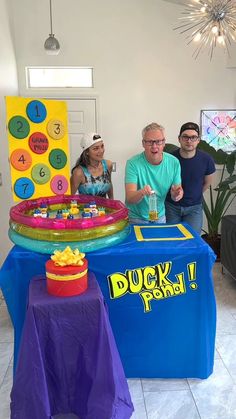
(82, 117)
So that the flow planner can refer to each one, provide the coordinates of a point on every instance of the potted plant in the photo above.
(220, 197)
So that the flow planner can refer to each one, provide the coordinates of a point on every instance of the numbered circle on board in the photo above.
(59, 184)
(24, 188)
(41, 173)
(38, 142)
(57, 158)
(19, 127)
(56, 129)
(36, 111)
(21, 159)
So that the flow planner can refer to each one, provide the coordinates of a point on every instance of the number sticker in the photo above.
(57, 158)
(21, 159)
(56, 129)
(24, 188)
(38, 143)
(19, 127)
(41, 173)
(59, 184)
(36, 111)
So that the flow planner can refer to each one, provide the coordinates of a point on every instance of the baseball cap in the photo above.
(189, 125)
(89, 139)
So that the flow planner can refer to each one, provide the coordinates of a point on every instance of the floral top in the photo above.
(98, 186)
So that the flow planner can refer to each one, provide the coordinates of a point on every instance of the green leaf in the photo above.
(220, 157)
(230, 163)
(228, 181)
(170, 148)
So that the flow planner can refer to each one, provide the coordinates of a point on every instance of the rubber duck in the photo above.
(74, 208)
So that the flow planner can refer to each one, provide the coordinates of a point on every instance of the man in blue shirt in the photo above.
(197, 171)
(151, 170)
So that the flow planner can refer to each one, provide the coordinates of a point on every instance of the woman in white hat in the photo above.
(92, 174)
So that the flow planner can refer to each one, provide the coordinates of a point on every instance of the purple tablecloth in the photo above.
(68, 360)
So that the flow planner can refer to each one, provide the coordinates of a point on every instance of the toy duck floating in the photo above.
(74, 208)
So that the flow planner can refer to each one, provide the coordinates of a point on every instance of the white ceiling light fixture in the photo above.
(209, 23)
(51, 45)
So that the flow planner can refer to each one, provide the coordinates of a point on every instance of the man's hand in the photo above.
(176, 192)
(146, 190)
(133, 196)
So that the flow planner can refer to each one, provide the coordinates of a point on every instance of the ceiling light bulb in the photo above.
(197, 37)
(214, 29)
(220, 39)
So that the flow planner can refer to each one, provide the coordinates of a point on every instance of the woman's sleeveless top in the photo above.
(99, 185)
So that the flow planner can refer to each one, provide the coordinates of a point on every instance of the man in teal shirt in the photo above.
(155, 170)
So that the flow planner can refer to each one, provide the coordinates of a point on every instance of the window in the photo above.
(62, 77)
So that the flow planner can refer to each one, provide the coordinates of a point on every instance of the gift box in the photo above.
(64, 280)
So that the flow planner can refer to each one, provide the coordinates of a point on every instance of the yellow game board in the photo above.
(38, 147)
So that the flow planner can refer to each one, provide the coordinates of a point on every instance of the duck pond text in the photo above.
(152, 283)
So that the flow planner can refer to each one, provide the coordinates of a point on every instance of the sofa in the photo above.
(228, 244)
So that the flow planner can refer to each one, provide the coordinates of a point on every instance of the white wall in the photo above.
(143, 69)
(8, 86)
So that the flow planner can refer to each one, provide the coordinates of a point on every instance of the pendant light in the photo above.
(51, 45)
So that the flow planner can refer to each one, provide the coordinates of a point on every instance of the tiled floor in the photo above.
(213, 398)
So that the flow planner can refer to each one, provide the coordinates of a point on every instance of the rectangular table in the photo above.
(159, 290)
(68, 360)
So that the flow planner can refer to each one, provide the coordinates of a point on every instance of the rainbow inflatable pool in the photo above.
(84, 222)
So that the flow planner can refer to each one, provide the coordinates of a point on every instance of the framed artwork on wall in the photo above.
(218, 128)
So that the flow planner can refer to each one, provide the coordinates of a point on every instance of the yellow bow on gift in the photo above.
(68, 257)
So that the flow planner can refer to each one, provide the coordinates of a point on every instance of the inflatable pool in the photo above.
(79, 221)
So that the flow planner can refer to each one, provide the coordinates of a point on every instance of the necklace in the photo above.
(96, 165)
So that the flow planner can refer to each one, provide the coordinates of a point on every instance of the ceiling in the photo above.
(183, 2)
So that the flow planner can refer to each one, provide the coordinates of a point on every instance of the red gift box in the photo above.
(65, 281)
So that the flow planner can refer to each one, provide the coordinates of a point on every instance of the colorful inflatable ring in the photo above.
(84, 246)
(22, 213)
(68, 235)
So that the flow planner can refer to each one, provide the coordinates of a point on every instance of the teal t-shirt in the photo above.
(160, 177)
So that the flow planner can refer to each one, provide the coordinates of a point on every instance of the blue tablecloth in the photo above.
(159, 290)
(68, 360)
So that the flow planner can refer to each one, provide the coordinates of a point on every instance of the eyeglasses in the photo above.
(192, 138)
(152, 142)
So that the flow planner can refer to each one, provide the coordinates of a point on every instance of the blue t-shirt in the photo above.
(160, 177)
(193, 172)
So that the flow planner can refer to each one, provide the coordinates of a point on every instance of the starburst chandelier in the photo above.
(209, 23)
